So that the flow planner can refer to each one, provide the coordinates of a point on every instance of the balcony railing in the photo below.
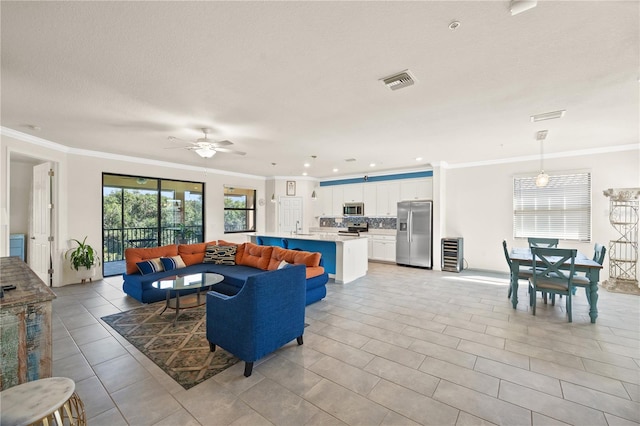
(117, 240)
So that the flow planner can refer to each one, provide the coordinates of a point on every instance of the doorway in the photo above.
(290, 215)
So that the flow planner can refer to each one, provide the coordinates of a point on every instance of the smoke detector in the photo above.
(399, 80)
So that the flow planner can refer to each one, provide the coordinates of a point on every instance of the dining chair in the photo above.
(585, 280)
(543, 242)
(552, 276)
(523, 274)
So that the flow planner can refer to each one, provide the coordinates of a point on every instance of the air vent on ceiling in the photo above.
(349, 160)
(548, 116)
(398, 81)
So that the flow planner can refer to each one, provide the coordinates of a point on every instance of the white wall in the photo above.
(479, 203)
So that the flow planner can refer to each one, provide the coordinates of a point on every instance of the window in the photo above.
(142, 211)
(239, 210)
(562, 209)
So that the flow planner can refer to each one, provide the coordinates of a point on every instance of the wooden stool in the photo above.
(47, 402)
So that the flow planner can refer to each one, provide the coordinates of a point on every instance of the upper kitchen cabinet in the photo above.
(352, 193)
(324, 203)
(338, 200)
(416, 189)
(369, 198)
(388, 195)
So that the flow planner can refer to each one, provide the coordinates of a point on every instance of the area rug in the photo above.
(181, 351)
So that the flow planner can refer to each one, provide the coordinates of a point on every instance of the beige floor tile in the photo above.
(579, 377)
(394, 353)
(404, 376)
(74, 367)
(463, 376)
(180, 417)
(102, 350)
(322, 418)
(340, 351)
(433, 336)
(287, 373)
(120, 372)
(350, 377)
(480, 405)
(344, 336)
(345, 405)
(618, 421)
(473, 336)
(432, 350)
(466, 419)
(413, 405)
(158, 403)
(94, 396)
(277, 404)
(544, 354)
(520, 376)
(64, 347)
(551, 406)
(252, 419)
(211, 404)
(541, 420)
(395, 419)
(460, 323)
(500, 355)
(78, 321)
(629, 375)
(620, 407)
(633, 391)
(111, 417)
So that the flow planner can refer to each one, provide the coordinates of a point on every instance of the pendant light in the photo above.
(542, 179)
(273, 195)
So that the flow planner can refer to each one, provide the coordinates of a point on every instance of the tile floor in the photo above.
(401, 346)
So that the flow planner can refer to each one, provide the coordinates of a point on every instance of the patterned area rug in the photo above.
(181, 351)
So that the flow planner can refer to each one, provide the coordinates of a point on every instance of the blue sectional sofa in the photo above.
(250, 260)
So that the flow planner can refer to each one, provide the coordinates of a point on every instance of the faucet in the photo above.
(297, 227)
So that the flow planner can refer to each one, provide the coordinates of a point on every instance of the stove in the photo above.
(355, 229)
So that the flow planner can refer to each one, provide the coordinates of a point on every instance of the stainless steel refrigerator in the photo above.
(414, 246)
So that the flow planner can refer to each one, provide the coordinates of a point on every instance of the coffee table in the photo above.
(179, 284)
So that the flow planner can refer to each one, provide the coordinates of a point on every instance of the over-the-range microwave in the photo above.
(353, 209)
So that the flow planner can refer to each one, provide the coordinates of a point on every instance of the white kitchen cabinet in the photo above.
(387, 197)
(338, 200)
(325, 201)
(383, 247)
(370, 250)
(352, 193)
(416, 189)
(369, 198)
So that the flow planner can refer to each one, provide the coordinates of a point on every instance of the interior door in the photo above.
(41, 213)
(290, 217)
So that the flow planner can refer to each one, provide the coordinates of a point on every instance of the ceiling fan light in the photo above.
(542, 179)
(205, 152)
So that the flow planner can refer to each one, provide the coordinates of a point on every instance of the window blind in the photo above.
(562, 209)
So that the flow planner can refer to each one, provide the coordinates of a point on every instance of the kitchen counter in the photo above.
(345, 257)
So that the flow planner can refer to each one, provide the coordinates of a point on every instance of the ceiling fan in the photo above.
(205, 147)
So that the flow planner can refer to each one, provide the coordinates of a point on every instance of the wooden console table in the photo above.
(25, 325)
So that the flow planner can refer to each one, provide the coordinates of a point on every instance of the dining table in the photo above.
(523, 257)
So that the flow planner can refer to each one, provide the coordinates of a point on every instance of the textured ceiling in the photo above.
(288, 80)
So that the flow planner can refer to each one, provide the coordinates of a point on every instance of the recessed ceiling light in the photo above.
(454, 25)
(372, 164)
(304, 173)
(418, 158)
(335, 169)
(307, 165)
(548, 116)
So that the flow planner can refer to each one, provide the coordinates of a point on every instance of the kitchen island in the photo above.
(345, 258)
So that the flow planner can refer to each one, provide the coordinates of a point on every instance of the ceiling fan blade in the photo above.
(174, 139)
(222, 143)
(179, 147)
(230, 151)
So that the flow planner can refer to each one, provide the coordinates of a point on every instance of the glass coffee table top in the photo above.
(181, 284)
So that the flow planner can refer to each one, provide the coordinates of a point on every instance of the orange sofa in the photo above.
(250, 259)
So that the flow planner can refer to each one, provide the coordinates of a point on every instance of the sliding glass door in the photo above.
(148, 212)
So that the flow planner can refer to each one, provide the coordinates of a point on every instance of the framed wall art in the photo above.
(291, 187)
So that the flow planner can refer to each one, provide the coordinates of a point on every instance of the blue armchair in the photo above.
(265, 314)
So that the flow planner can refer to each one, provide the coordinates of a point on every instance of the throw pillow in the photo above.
(150, 266)
(220, 255)
(173, 262)
(283, 264)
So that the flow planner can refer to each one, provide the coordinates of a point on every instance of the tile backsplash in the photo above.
(374, 222)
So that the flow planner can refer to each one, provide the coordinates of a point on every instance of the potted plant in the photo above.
(83, 259)
(184, 234)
